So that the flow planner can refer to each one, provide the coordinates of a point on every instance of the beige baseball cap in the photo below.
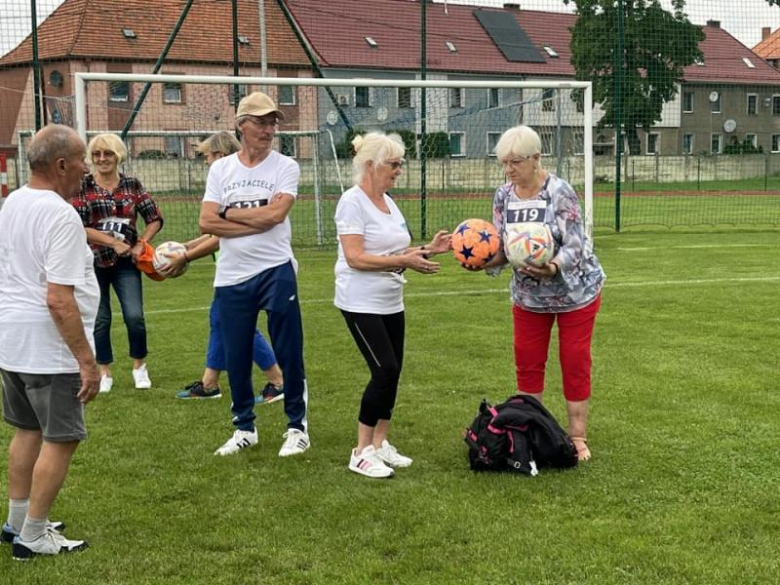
(258, 104)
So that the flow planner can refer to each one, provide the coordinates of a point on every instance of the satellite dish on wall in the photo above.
(381, 114)
(714, 96)
(729, 125)
(332, 117)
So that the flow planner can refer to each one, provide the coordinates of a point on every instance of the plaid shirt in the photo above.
(115, 213)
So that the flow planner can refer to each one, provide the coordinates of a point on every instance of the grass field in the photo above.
(682, 487)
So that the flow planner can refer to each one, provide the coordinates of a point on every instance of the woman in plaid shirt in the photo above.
(109, 205)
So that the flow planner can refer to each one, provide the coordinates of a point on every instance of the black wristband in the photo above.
(223, 213)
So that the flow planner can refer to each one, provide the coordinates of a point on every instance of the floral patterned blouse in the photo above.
(581, 277)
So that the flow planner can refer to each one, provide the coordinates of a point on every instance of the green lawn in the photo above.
(681, 489)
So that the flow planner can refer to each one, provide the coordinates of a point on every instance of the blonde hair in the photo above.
(518, 141)
(376, 147)
(222, 143)
(110, 142)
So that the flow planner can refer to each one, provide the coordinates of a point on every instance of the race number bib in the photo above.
(532, 211)
(248, 204)
(118, 227)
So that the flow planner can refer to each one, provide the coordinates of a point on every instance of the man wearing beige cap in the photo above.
(248, 197)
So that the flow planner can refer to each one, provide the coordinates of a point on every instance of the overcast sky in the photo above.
(742, 18)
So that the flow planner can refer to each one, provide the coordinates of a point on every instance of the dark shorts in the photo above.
(45, 402)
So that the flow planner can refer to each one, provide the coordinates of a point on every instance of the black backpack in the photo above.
(519, 435)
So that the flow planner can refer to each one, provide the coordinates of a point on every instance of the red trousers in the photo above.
(532, 341)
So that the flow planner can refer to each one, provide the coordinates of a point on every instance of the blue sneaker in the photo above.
(196, 390)
(270, 394)
(8, 534)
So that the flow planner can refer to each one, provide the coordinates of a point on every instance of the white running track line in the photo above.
(489, 291)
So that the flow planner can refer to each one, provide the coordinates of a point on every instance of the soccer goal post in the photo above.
(449, 126)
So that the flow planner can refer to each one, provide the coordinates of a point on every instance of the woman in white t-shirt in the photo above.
(373, 254)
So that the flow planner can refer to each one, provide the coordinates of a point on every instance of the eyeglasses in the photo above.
(395, 165)
(515, 162)
(103, 153)
(263, 123)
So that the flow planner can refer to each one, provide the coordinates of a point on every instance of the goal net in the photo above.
(450, 129)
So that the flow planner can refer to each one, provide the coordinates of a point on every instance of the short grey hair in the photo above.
(376, 147)
(52, 142)
(518, 141)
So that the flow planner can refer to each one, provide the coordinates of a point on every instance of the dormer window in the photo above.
(552, 52)
(451, 47)
(243, 39)
(748, 62)
(129, 33)
(371, 42)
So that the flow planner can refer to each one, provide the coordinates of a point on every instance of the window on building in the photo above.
(404, 97)
(687, 102)
(752, 139)
(578, 143)
(578, 97)
(716, 144)
(456, 97)
(288, 145)
(547, 142)
(118, 91)
(776, 105)
(492, 140)
(173, 93)
(548, 100)
(287, 95)
(174, 146)
(457, 144)
(242, 91)
(775, 142)
(362, 97)
(687, 144)
(653, 142)
(494, 95)
(752, 104)
(715, 103)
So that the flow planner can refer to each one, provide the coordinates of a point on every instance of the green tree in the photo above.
(657, 45)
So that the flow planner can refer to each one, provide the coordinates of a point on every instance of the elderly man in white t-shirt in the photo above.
(248, 197)
(48, 301)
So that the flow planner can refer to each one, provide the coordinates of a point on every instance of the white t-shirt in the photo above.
(42, 240)
(231, 184)
(362, 291)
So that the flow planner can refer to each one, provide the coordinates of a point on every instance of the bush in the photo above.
(151, 154)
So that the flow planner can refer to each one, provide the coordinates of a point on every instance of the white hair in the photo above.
(375, 147)
(518, 141)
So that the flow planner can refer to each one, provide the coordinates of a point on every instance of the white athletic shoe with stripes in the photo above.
(240, 440)
(368, 463)
(390, 456)
(295, 443)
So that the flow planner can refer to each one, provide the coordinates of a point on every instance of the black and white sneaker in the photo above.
(295, 443)
(240, 440)
(8, 533)
(50, 542)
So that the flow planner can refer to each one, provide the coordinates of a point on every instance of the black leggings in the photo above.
(380, 338)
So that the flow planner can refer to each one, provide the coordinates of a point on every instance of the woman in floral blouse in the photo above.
(567, 289)
(109, 205)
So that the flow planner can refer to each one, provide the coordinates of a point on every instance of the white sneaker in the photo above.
(240, 440)
(106, 383)
(50, 542)
(367, 463)
(141, 377)
(295, 443)
(390, 455)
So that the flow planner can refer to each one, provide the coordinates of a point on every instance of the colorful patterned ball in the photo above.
(475, 242)
(529, 244)
(161, 262)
